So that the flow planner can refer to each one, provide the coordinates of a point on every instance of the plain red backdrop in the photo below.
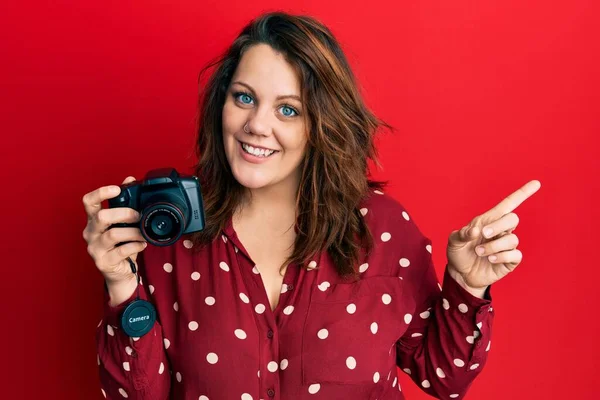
(485, 96)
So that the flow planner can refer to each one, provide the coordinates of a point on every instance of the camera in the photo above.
(170, 205)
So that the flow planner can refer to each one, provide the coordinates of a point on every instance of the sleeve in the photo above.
(132, 368)
(448, 338)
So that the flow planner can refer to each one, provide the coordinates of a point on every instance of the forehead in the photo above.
(267, 71)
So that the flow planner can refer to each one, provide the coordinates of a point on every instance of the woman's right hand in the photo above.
(111, 261)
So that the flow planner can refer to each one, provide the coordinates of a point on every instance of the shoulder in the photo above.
(396, 235)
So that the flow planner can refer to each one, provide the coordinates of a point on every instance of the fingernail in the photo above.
(480, 250)
(487, 232)
(492, 258)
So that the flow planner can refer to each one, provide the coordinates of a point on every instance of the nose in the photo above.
(258, 123)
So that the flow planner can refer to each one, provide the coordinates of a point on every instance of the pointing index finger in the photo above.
(515, 199)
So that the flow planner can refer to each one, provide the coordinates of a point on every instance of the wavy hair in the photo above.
(334, 177)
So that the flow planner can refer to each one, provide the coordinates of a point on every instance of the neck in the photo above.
(272, 205)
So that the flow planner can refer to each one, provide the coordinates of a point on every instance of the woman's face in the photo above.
(265, 93)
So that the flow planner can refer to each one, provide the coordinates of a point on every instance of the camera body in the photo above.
(170, 205)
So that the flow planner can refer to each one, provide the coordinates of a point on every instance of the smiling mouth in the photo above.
(257, 152)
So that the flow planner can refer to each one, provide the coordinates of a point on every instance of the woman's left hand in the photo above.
(475, 271)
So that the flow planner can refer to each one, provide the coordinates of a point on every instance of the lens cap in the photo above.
(138, 318)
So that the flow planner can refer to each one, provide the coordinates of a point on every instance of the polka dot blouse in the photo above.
(217, 338)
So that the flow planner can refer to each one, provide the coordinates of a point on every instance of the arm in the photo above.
(132, 369)
(448, 338)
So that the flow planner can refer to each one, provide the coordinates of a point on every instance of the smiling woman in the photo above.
(308, 282)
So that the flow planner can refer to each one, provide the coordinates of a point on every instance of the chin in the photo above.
(251, 180)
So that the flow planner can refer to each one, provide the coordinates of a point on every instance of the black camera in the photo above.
(169, 204)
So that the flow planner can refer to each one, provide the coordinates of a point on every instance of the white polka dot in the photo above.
(386, 298)
(288, 310)
(376, 377)
(351, 308)
(462, 307)
(439, 286)
(374, 327)
(407, 370)
(458, 362)
(135, 339)
(405, 215)
(272, 366)
(475, 334)
(188, 244)
(260, 308)
(195, 275)
(425, 383)
(123, 392)
(244, 298)
(175, 306)
(404, 262)
(167, 343)
(428, 248)
(471, 339)
(323, 286)
(235, 248)
(128, 350)
(255, 270)
(209, 300)
(258, 373)
(416, 334)
(394, 382)
(246, 396)
(161, 368)
(389, 373)
(314, 388)
(283, 364)
(312, 265)
(323, 333)
(440, 373)
(203, 397)
(363, 267)
(479, 325)
(424, 314)
(377, 191)
(445, 304)
(99, 323)
(103, 393)
(363, 211)
(212, 358)
(151, 289)
(474, 366)
(178, 376)
(110, 330)
(240, 334)
(168, 267)
(453, 396)
(407, 318)
(488, 346)
(284, 288)
(351, 362)
(224, 238)
(223, 265)
(385, 236)
(193, 325)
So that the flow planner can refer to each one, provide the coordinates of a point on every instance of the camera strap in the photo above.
(140, 315)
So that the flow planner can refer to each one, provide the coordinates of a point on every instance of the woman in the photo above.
(308, 282)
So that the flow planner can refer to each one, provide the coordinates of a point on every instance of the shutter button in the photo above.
(271, 392)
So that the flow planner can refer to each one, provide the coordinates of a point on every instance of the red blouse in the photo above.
(217, 338)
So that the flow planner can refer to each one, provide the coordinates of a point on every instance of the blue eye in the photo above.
(245, 98)
(290, 110)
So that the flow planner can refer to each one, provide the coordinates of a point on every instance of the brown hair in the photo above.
(334, 177)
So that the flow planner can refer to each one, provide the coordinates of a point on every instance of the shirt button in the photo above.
(290, 286)
(270, 334)
(271, 392)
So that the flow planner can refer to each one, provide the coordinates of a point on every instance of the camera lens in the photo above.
(162, 224)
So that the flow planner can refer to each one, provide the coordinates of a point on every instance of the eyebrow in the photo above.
(288, 96)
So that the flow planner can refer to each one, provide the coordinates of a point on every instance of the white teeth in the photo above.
(257, 152)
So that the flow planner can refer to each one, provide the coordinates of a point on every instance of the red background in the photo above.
(485, 96)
